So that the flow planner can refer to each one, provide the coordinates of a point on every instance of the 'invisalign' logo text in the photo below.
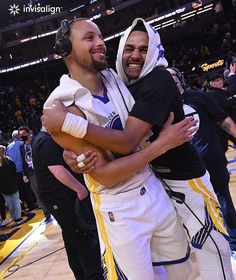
(15, 9)
(41, 9)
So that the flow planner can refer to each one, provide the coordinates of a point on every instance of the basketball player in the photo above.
(137, 223)
(156, 94)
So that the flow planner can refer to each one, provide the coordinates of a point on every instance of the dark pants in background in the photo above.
(2, 207)
(26, 194)
(34, 188)
(82, 248)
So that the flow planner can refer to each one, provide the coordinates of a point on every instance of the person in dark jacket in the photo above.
(58, 189)
(4, 220)
(232, 77)
(223, 98)
(208, 145)
(8, 186)
(27, 166)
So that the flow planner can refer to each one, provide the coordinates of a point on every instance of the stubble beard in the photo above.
(99, 65)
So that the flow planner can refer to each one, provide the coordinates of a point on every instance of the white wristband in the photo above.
(75, 125)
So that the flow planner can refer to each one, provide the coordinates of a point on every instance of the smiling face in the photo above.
(88, 48)
(134, 54)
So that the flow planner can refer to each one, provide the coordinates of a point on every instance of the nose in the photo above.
(135, 54)
(100, 41)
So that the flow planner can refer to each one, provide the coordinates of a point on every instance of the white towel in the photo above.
(72, 92)
(155, 52)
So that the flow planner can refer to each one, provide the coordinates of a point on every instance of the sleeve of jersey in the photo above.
(158, 90)
(216, 112)
(51, 153)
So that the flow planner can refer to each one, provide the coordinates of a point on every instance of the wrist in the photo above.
(82, 192)
(155, 149)
(159, 147)
(75, 125)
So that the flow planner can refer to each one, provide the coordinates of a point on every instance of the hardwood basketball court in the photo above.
(35, 250)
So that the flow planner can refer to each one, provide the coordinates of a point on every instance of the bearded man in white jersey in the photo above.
(136, 220)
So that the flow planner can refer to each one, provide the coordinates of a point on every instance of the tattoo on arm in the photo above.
(226, 126)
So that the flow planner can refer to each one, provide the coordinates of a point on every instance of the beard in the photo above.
(99, 65)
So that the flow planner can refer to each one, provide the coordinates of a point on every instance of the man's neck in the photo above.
(91, 81)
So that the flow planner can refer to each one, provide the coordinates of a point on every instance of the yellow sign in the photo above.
(206, 67)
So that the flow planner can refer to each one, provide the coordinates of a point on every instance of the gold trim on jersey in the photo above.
(93, 186)
(212, 204)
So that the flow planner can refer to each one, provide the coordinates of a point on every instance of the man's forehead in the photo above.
(84, 26)
(140, 37)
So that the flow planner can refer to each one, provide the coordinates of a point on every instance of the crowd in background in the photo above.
(21, 101)
(202, 37)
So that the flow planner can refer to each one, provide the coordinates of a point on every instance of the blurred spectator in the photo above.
(26, 136)
(13, 151)
(217, 91)
(4, 220)
(8, 186)
(232, 77)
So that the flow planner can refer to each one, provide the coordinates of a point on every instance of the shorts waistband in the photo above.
(107, 199)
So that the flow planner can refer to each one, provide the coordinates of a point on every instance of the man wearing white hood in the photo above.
(156, 95)
(137, 223)
(140, 51)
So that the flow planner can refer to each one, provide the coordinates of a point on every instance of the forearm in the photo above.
(66, 178)
(229, 126)
(116, 171)
(110, 139)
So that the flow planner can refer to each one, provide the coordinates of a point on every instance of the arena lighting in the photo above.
(113, 36)
(25, 65)
(47, 34)
(205, 7)
(39, 36)
(158, 26)
(193, 15)
(192, 12)
(203, 11)
(171, 20)
(176, 12)
(164, 24)
(95, 17)
(76, 8)
(172, 23)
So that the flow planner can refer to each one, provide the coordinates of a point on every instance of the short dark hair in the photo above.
(233, 60)
(24, 127)
(60, 34)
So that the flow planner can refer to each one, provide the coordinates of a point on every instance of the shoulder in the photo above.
(159, 73)
(158, 79)
(109, 75)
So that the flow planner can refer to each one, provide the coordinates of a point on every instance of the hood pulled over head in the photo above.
(155, 52)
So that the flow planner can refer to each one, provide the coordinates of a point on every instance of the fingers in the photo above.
(191, 132)
(88, 168)
(89, 162)
(84, 163)
(187, 123)
(70, 159)
(69, 155)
